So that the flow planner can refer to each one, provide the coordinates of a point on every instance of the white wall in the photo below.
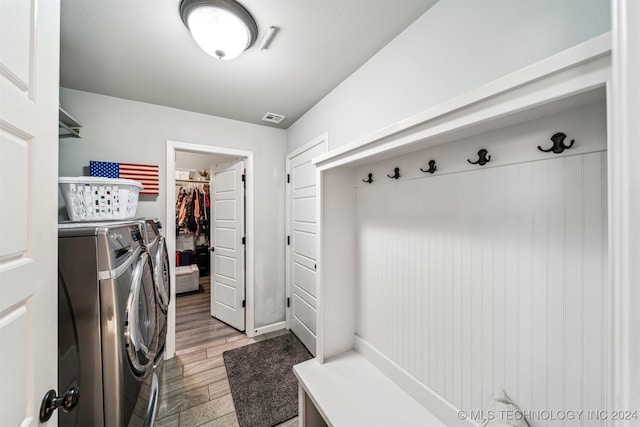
(127, 131)
(455, 46)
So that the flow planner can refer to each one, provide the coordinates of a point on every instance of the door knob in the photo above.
(212, 249)
(51, 402)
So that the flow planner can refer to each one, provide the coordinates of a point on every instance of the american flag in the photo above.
(147, 175)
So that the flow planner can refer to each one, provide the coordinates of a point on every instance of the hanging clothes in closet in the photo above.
(193, 209)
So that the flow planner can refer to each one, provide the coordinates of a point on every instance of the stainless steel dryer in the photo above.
(157, 249)
(107, 324)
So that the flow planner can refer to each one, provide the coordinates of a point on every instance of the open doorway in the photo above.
(211, 250)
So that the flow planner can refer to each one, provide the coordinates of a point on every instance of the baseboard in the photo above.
(269, 328)
(428, 398)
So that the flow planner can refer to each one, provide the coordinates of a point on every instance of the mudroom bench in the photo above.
(350, 391)
(437, 231)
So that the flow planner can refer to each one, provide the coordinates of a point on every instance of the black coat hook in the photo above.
(483, 159)
(396, 175)
(558, 143)
(370, 180)
(432, 167)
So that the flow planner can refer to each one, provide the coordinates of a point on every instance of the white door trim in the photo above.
(324, 139)
(309, 145)
(624, 210)
(170, 232)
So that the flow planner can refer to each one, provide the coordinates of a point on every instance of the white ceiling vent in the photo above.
(273, 118)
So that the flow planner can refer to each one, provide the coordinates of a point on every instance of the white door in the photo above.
(301, 240)
(29, 62)
(227, 240)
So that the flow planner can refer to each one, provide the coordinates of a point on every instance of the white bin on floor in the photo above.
(187, 278)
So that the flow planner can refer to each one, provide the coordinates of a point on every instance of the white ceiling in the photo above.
(141, 50)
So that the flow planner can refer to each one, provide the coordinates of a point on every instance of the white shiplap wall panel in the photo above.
(556, 292)
(489, 279)
(594, 271)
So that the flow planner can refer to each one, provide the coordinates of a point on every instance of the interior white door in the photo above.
(227, 240)
(29, 62)
(302, 257)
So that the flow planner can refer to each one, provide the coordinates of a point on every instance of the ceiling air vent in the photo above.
(273, 118)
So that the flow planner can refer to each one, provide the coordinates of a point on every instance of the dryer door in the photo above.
(162, 276)
(140, 316)
(152, 234)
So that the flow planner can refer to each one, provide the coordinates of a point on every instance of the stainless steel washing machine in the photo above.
(157, 249)
(107, 324)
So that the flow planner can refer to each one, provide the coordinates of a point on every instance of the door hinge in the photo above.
(244, 177)
(244, 303)
(288, 178)
(288, 301)
(288, 240)
(244, 240)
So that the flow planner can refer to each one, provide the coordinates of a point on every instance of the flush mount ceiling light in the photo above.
(222, 28)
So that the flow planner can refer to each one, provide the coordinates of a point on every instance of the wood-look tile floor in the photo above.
(195, 388)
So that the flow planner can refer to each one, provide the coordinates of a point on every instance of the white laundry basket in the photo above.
(91, 198)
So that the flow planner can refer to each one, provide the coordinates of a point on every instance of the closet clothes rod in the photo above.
(192, 181)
